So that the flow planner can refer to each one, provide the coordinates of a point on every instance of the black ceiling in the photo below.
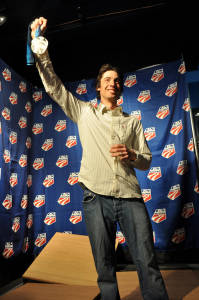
(83, 34)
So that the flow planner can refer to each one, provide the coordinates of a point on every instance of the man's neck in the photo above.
(109, 104)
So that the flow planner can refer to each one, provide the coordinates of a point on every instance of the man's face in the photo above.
(109, 86)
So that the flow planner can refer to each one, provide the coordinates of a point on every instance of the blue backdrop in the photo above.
(40, 155)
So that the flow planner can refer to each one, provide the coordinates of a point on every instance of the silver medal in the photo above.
(39, 45)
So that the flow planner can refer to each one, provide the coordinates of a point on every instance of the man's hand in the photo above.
(42, 22)
(121, 151)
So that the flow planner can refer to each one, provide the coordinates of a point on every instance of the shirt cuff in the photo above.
(136, 153)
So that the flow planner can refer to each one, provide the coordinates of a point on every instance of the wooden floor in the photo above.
(65, 270)
(181, 285)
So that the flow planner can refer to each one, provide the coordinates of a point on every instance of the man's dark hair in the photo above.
(104, 68)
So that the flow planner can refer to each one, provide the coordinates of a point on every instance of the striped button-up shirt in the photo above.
(99, 129)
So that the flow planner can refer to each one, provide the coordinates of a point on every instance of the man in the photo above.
(113, 145)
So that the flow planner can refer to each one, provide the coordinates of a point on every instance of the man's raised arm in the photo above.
(52, 83)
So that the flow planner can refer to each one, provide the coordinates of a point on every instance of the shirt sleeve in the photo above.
(71, 106)
(140, 146)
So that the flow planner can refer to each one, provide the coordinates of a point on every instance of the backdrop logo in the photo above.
(188, 210)
(144, 96)
(13, 98)
(169, 150)
(60, 126)
(6, 156)
(7, 203)
(182, 167)
(196, 188)
(38, 163)
(13, 179)
(47, 145)
(6, 113)
(176, 127)
(120, 237)
(81, 89)
(154, 173)
(76, 217)
(8, 250)
(182, 68)
(25, 244)
(29, 221)
(37, 96)
(29, 180)
(174, 192)
(64, 199)
(22, 122)
(6, 74)
(50, 218)
(130, 81)
(39, 201)
(16, 224)
(47, 110)
(13, 137)
(22, 87)
(171, 89)
(157, 75)
(24, 202)
(137, 114)
(146, 194)
(40, 240)
(94, 102)
(28, 142)
(159, 215)
(186, 106)
(154, 237)
(71, 141)
(178, 236)
(150, 133)
(120, 101)
(28, 107)
(190, 146)
(62, 161)
(163, 112)
(73, 178)
(23, 160)
(48, 181)
(37, 128)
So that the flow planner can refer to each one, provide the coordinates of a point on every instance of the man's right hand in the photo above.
(42, 22)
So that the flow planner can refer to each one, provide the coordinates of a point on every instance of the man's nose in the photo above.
(112, 83)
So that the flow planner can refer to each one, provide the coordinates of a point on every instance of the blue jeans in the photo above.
(101, 216)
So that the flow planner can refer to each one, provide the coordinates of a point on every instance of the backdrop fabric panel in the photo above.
(40, 155)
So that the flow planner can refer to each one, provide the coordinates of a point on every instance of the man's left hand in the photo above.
(122, 152)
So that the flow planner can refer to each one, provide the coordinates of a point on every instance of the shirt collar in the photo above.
(115, 112)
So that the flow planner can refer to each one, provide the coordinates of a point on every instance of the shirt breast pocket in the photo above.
(124, 134)
(118, 134)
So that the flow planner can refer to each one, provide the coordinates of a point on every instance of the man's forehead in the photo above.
(110, 74)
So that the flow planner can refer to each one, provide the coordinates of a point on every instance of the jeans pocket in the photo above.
(88, 197)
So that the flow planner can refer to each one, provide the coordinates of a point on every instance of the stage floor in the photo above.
(65, 270)
(181, 285)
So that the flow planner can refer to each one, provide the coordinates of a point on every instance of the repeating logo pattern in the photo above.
(41, 156)
(159, 215)
(120, 237)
